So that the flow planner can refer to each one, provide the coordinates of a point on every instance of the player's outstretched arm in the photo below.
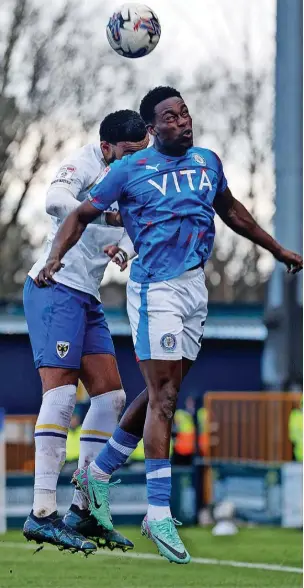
(237, 217)
(67, 236)
(122, 252)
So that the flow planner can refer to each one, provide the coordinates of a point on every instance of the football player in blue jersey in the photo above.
(168, 195)
(71, 340)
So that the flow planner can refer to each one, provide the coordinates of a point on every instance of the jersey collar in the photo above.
(98, 154)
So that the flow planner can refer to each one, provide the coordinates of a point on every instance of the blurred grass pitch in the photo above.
(259, 557)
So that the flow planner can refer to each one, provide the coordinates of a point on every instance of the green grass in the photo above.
(20, 568)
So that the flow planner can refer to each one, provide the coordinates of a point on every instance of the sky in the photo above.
(194, 33)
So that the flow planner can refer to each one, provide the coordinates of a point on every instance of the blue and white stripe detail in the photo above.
(142, 344)
(121, 448)
(158, 473)
(116, 451)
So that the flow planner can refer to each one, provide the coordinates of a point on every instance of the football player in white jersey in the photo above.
(71, 340)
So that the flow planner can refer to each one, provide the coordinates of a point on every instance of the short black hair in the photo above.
(154, 97)
(123, 125)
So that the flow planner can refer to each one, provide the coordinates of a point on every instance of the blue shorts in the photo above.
(64, 324)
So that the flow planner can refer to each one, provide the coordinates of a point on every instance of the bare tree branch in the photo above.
(13, 36)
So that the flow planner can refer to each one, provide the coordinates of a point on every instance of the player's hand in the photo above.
(113, 219)
(118, 255)
(293, 261)
(45, 276)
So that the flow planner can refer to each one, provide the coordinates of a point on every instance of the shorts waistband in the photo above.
(201, 265)
(190, 274)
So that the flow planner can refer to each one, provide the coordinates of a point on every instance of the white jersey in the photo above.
(85, 263)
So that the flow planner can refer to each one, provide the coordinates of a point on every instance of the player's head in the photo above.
(122, 133)
(167, 118)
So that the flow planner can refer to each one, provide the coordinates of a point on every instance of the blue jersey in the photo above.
(166, 205)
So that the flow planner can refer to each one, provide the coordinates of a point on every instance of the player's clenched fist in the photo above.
(293, 261)
(118, 255)
(45, 275)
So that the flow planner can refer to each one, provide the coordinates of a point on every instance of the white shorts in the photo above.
(167, 318)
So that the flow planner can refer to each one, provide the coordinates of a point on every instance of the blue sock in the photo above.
(158, 473)
(116, 451)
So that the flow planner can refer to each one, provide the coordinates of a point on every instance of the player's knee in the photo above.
(119, 402)
(166, 403)
(110, 400)
(168, 406)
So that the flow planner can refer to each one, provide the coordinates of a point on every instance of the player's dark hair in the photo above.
(123, 125)
(154, 97)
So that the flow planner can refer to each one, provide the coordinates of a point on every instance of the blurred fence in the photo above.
(241, 427)
(249, 426)
(19, 442)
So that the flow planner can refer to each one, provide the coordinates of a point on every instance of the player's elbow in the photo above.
(60, 202)
(55, 203)
(239, 223)
(52, 205)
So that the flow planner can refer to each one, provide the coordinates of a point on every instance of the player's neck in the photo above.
(169, 150)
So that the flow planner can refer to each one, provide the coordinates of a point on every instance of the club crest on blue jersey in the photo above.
(168, 342)
(199, 159)
(62, 348)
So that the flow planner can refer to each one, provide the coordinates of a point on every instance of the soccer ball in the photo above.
(133, 30)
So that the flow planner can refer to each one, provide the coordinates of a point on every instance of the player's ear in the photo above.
(106, 149)
(151, 130)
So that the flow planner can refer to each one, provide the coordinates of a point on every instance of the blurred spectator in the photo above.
(184, 427)
(138, 455)
(295, 431)
(185, 433)
(202, 431)
(73, 440)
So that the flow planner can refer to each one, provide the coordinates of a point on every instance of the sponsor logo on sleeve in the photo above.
(66, 172)
(65, 175)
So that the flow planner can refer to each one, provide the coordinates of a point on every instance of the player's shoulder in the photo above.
(210, 157)
(139, 158)
(87, 158)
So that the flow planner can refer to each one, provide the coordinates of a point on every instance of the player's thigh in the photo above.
(186, 366)
(99, 370)
(52, 377)
(194, 325)
(99, 373)
(56, 322)
(156, 321)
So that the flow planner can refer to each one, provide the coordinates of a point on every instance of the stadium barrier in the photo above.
(249, 426)
(249, 457)
(242, 427)
(19, 441)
